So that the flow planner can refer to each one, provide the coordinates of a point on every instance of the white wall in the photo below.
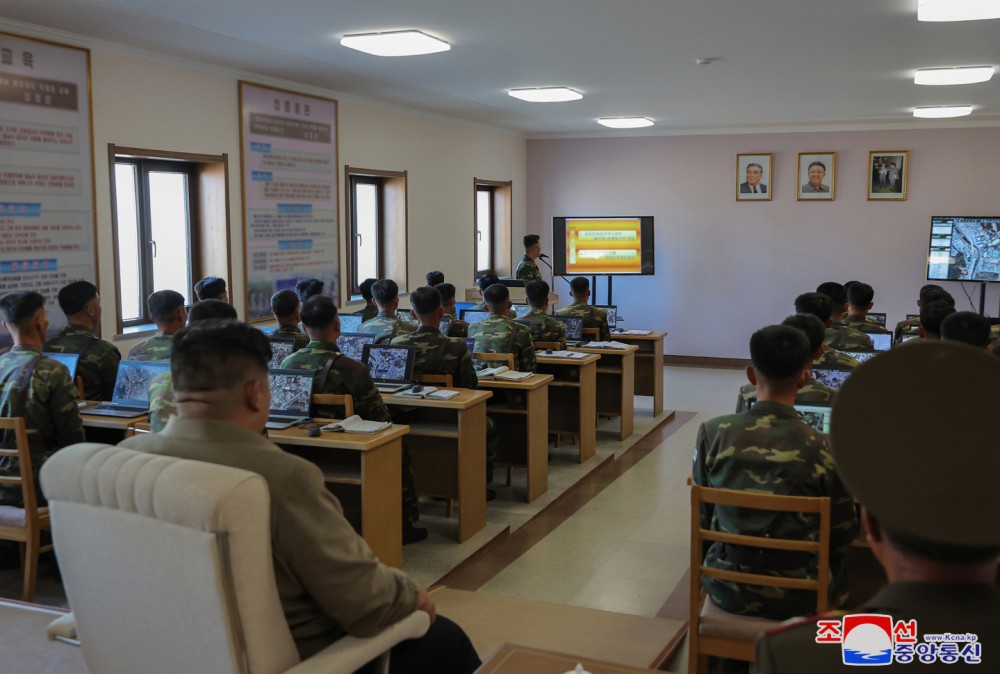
(725, 269)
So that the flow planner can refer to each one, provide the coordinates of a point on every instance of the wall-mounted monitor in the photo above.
(589, 246)
(964, 248)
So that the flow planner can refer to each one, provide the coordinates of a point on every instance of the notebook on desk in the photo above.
(350, 322)
(281, 348)
(291, 397)
(70, 360)
(352, 344)
(131, 395)
(391, 367)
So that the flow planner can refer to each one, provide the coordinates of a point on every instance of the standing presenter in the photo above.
(527, 270)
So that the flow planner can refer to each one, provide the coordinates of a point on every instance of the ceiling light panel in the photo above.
(625, 122)
(957, 10)
(942, 111)
(946, 76)
(546, 94)
(395, 43)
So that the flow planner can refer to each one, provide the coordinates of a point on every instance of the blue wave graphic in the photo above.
(853, 657)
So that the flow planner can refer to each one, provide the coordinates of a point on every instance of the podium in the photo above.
(516, 296)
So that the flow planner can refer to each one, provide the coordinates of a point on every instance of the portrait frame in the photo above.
(765, 185)
(882, 184)
(827, 183)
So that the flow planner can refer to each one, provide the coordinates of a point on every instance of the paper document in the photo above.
(512, 375)
(356, 424)
(563, 354)
(633, 332)
(607, 345)
(491, 372)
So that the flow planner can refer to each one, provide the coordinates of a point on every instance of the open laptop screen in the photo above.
(473, 316)
(861, 356)
(389, 364)
(612, 311)
(817, 416)
(281, 348)
(832, 377)
(352, 344)
(574, 327)
(70, 360)
(521, 310)
(405, 316)
(881, 342)
(470, 344)
(877, 317)
(291, 391)
(132, 382)
(349, 322)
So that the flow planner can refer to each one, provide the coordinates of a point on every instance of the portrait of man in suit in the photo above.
(753, 177)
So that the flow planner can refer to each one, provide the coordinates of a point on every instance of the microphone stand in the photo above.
(552, 276)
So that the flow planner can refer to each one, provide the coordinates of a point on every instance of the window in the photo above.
(484, 229)
(170, 226)
(492, 226)
(376, 210)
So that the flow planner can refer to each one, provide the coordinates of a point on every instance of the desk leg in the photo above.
(381, 502)
(588, 411)
(538, 442)
(628, 395)
(471, 471)
(658, 373)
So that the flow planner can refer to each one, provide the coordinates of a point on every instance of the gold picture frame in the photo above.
(888, 174)
(816, 179)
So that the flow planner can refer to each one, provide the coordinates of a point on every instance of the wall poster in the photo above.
(47, 228)
(288, 155)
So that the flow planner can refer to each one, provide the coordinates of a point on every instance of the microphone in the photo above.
(545, 259)
(544, 256)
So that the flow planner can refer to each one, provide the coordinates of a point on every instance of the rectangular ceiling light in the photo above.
(546, 94)
(942, 111)
(395, 43)
(957, 10)
(963, 75)
(625, 122)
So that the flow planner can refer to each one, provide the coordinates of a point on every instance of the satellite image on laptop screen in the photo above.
(861, 356)
(291, 390)
(352, 344)
(521, 310)
(881, 342)
(386, 363)
(816, 416)
(349, 322)
(132, 382)
(574, 327)
(472, 316)
(877, 317)
(280, 350)
(832, 378)
(612, 311)
(404, 315)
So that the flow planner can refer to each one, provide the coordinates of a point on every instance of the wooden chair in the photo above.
(79, 387)
(345, 400)
(555, 346)
(23, 525)
(713, 631)
(592, 334)
(435, 379)
(503, 358)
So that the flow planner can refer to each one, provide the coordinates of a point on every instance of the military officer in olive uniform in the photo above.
(98, 364)
(527, 269)
(166, 308)
(820, 306)
(385, 325)
(36, 388)
(499, 334)
(860, 300)
(592, 316)
(928, 506)
(456, 327)
(839, 335)
(370, 311)
(543, 327)
(285, 307)
(911, 326)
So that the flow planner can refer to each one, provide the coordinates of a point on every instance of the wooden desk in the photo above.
(448, 443)
(363, 469)
(112, 423)
(517, 296)
(573, 398)
(521, 408)
(514, 659)
(648, 365)
(615, 385)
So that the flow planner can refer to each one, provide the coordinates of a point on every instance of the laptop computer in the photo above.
(881, 342)
(862, 356)
(404, 315)
(352, 344)
(291, 396)
(473, 316)
(832, 377)
(521, 310)
(70, 360)
(910, 317)
(574, 329)
(817, 416)
(281, 348)
(612, 311)
(131, 395)
(350, 322)
(391, 367)
(877, 317)
(267, 330)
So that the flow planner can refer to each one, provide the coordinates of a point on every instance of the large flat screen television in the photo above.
(964, 248)
(590, 246)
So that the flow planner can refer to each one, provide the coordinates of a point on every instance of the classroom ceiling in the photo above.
(776, 63)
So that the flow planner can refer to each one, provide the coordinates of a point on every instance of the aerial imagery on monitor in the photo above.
(133, 384)
(288, 392)
(976, 250)
(387, 364)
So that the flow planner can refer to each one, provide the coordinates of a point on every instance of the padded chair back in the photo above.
(166, 563)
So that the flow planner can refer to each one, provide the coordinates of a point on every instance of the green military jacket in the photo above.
(847, 338)
(836, 359)
(527, 270)
(864, 325)
(437, 354)
(345, 376)
(162, 405)
(482, 307)
(385, 326)
(98, 365)
(911, 326)
(769, 449)
(592, 317)
(498, 334)
(813, 393)
(456, 326)
(156, 347)
(369, 312)
(544, 328)
(301, 339)
(51, 416)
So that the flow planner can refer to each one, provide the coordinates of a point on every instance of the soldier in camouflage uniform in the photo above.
(499, 334)
(969, 328)
(911, 326)
(456, 326)
(820, 305)
(385, 325)
(370, 311)
(770, 449)
(98, 365)
(527, 270)
(36, 388)
(484, 282)
(860, 300)
(211, 288)
(592, 316)
(839, 335)
(285, 308)
(543, 328)
(166, 308)
(931, 317)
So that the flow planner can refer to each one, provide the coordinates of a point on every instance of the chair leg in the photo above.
(510, 474)
(449, 508)
(31, 565)
(557, 439)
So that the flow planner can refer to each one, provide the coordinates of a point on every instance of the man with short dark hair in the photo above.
(98, 364)
(911, 326)
(433, 278)
(838, 335)
(211, 288)
(484, 282)
(931, 316)
(860, 300)
(929, 509)
(499, 334)
(35, 388)
(370, 310)
(967, 327)
(436, 354)
(285, 306)
(308, 287)
(543, 328)
(456, 326)
(166, 308)
(527, 268)
(329, 582)
(592, 316)
(820, 306)
(385, 325)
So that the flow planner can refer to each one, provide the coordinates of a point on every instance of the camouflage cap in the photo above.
(914, 439)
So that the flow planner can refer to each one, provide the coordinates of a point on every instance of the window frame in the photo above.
(490, 229)
(393, 246)
(352, 225)
(501, 212)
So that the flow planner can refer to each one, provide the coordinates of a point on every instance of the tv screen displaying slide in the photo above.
(602, 246)
(964, 249)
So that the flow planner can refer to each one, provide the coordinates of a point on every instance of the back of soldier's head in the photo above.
(966, 327)
(860, 294)
(447, 291)
(284, 303)
(217, 355)
(537, 293)
(425, 301)
(817, 304)
(779, 354)
(496, 295)
(19, 308)
(932, 315)
(530, 240)
(486, 280)
(209, 310)
(319, 312)
(580, 285)
(834, 291)
(384, 291)
(813, 328)
(366, 288)
(74, 298)
(308, 287)
(433, 278)
(210, 288)
(929, 288)
(163, 304)
(941, 552)
(937, 295)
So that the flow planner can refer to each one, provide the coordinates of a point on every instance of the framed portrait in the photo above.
(817, 176)
(753, 177)
(887, 174)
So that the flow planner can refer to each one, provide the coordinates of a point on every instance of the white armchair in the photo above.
(167, 568)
